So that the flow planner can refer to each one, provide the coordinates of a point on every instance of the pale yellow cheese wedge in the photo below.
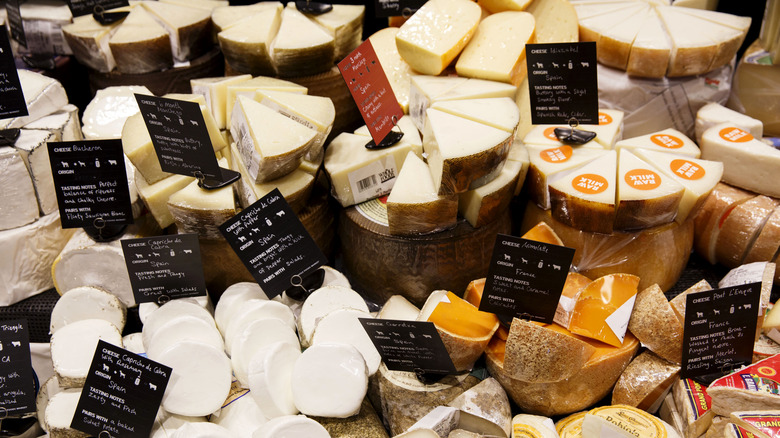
(498, 112)
(301, 47)
(140, 44)
(137, 145)
(345, 24)
(613, 46)
(214, 90)
(88, 40)
(556, 21)
(249, 87)
(484, 204)
(200, 211)
(224, 17)
(494, 6)
(650, 50)
(424, 89)
(156, 196)
(216, 137)
(188, 27)
(247, 44)
(398, 72)
(547, 163)
(669, 140)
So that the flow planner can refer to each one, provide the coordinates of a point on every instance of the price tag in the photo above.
(163, 268)
(12, 103)
(17, 396)
(273, 244)
(525, 278)
(86, 7)
(179, 136)
(409, 345)
(371, 90)
(393, 8)
(719, 331)
(121, 395)
(91, 183)
(562, 83)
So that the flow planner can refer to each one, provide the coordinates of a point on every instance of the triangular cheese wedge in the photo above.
(646, 197)
(614, 45)
(592, 27)
(140, 44)
(498, 112)
(424, 89)
(249, 87)
(482, 205)
(610, 128)
(215, 92)
(189, 28)
(314, 112)
(247, 44)
(669, 140)
(345, 24)
(548, 162)
(650, 51)
(396, 69)
(88, 40)
(217, 140)
(544, 135)
(156, 196)
(200, 211)
(478, 89)
(225, 17)
(604, 307)
(301, 48)
(137, 145)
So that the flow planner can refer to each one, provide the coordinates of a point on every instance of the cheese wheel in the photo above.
(532, 426)
(201, 211)
(256, 335)
(183, 328)
(323, 301)
(343, 326)
(233, 298)
(709, 218)
(87, 302)
(251, 311)
(571, 426)
(625, 421)
(645, 382)
(73, 347)
(60, 412)
(171, 311)
(269, 378)
(247, 44)
(679, 302)
(398, 307)
(740, 229)
(49, 389)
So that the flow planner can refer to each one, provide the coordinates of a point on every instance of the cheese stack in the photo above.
(274, 40)
(151, 38)
(650, 39)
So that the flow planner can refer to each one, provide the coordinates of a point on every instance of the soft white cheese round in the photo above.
(270, 378)
(255, 336)
(291, 426)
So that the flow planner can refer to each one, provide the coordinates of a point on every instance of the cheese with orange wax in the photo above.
(542, 232)
(604, 307)
(474, 292)
(571, 291)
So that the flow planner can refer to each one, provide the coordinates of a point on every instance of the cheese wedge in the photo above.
(645, 382)
(137, 146)
(585, 198)
(224, 17)
(414, 205)
(746, 389)
(18, 198)
(87, 302)
(42, 95)
(609, 129)
(546, 164)
(487, 400)
(189, 28)
(645, 196)
(301, 47)
(498, 112)
(215, 136)
(201, 211)
(571, 290)
(556, 21)
(73, 347)
(533, 426)
(441, 420)
(714, 113)
(345, 24)
(461, 151)
(656, 325)
(140, 44)
(591, 28)
(694, 405)
(544, 135)
(650, 50)
(494, 6)
(603, 309)
(249, 87)
(497, 51)
(698, 177)
(669, 140)
(271, 145)
(156, 196)
(214, 90)
(88, 40)
(63, 124)
(247, 45)
(436, 34)
(613, 46)
(32, 148)
(398, 72)
(424, 89)
(758, 422)
(482, 205)
(748, 162)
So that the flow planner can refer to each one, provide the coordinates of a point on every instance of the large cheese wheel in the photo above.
(382, 265)
(656, 255)
(709, 220)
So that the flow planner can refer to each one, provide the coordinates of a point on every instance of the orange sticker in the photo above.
(590, 184)
(735, 135)
(667, 141)
(550, 133)
(604, 119)
(687, 170)
(643, 179)
(556, 155)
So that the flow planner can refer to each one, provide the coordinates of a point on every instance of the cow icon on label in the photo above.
(16, 344)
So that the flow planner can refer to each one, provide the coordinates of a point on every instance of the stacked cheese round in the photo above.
(650, 39)
(153, 36)
(269, 39)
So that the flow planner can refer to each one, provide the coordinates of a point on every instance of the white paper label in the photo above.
(418, 103)
(373, 180)
(563, 311)
(239, 129)
(618, 320)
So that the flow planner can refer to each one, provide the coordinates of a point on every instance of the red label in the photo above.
(371, 90)
(757, 377)
(766, 423)
(741, 433)
(697, 397)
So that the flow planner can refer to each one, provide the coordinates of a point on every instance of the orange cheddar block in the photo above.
(604, 307)
(458, 316)
(571, 291)
(474, 292)
(542, 232)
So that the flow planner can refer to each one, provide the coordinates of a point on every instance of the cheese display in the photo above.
(656, 40)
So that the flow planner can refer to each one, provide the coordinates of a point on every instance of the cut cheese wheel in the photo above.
(461, 151)
(87, 302)
(613, 46)
(494, 6)
(604, 307)
(497, 50)
(343, 326)
(767, 243)
(436, 34)
(585, 198)
(215, 135)
(624, 421)
(224, 17)
(170, 311)
(694, 405)
(323, 301)
(744, 390)
(291, 426)
(253, 310)
(240, 414)
(183, 328)
(441, 420)
(414, 205)
(464, 329)
(717, 206)
(49, 389)
(200, 381)
(88, 39)
(42, 95)
(398, 307)
(146, 309)
(482, 205)
(63, 124)
(423, 90)
(156, 196)
(189, 28)
(655, 324)
(73, 347)
(548, 163)
(301, 47)
(19, 196)
(592, 27)
(201, 211)
(646, 197)
(232, 299)
(31, 146)
(569, 296)
(271, 145)
(498, 112)
(669, 140)
(739, 230)
(345, 24)
(201, 430)
(269, 377)
(60, 412)
(329, 380)
(214, 90)
(714, 113)
(250, 87)
(532, 426)
(256, 336)
(486, 400)
(556, 21)
(140, 44)
(645, 382)
(536, 355)
(650, 50)
(398, 72)
(247, 44)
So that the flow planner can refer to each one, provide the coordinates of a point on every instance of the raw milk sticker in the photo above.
(643, 179)
(735, 135)
(687, 170)
(667, 141)
(604, 119)
(557, 155)
(590, 184)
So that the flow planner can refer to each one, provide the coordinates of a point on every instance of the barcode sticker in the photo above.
(373, 180)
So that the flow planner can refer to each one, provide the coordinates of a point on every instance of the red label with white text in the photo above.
(697, 397)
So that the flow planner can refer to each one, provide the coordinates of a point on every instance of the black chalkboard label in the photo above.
(719, 331)
(562, 83)
(121, 395)
(525, 278)
(17, 384)
(273, 244)
(86, 7)
(393, 8)
(91, 183)
(15, 21)
(163, 268)
(12, 103)
(409, 345)
(179, 136)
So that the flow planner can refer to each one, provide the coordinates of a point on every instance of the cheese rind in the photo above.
(140, 44)
(200, 211)
(87, 302)
(482, 205)
(645, 382)
(301, 47)
(88, 39)
(189, 28)
(20, 205)
(74, 345)
(247, 45)
(156, 196)
(345, 24)
(498, 112)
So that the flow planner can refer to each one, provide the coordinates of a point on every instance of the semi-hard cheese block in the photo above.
(460, 151)
(249, 88)
(156, 196)
(550, 162)
(345, 24)
(650, 50)
(655, 324)
(482, 205)
(423, 89)
(214, 90)
(498, 112)
(314, 112)
(301, 47)
(270, 144)
(201, 211)
(140, 44)
(88, 39)
(669, 140)
(585, 198)
(189, 28)
(137, 146)
(603, 309)
(494, 6)
(398, 72)
(20, 206)
(497, 50)
(414, 205)
(247, 45)
(714, 113)
(437, 33)
(613, 46)
(42, 95)
(645, 196)
(747, 162)
(694, 406)
(645, 382)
